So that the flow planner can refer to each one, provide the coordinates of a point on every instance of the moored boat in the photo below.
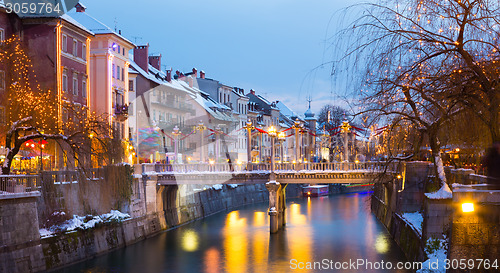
(315, 191)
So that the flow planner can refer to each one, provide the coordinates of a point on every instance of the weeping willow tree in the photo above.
(425, 62)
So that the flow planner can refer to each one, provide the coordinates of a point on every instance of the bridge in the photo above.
(276, 177)
(209, 174)
(159, 179)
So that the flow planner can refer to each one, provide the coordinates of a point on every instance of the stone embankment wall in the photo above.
(392, 198)
(20, 248)
(152, 208)
(471, 235)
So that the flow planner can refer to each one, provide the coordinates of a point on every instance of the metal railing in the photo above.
(266, 167)
(13, 184)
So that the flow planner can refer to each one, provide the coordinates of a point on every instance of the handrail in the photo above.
(148, 168)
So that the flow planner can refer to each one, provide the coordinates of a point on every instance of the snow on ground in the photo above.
(443, 193)
(232, 186)
(217, 187)
(84, 222)
(436, 253)
(415, 219)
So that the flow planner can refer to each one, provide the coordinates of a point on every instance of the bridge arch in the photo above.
(169, 200)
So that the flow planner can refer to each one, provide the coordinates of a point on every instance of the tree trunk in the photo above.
(436, 156)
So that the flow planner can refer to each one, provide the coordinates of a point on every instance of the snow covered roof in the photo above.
(285, 110)
(72, 21)
(96, 26)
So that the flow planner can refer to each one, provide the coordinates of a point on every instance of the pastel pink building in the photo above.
(109, 62)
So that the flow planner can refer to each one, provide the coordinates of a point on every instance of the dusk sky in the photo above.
(270, 46)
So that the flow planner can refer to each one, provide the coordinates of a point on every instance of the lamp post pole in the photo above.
(346, 127)
(296, 126)
(281, 139)
(272, 133)
(176, 132)
(201, 127)
(218, 131)
(249, 127)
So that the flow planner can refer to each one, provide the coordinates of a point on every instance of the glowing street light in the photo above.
(281, 139)
(176, 132)
(468, 207)
(272, 133)
(249, 127)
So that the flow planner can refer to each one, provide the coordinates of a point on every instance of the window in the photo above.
(123, 52)
(2, 80)
(84, 51)
(75, 84)
(131, 108)
(123, 74)
(117, 72)
(75, 48)
(119, 49)
(65, 43)
(131, 85)
(113, 71)
(65, 81)
(84, 88)
(2, 35)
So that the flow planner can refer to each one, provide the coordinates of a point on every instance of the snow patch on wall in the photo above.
(84, 222)
(415, 219)
(443, 193)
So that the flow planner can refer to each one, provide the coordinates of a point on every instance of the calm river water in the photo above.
(329, 230)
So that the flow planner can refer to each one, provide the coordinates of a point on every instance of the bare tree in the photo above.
(425, 61)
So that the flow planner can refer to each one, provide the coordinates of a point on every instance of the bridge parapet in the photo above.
(266, 167)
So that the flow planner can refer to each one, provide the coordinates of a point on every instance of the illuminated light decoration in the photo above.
(468, 207)
(88, 75)
(59, 72)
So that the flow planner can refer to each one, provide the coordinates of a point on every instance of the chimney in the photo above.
(202, 74)
(155, 61)
(195, 73)
(80, 7)
(169, 75)
(252, 91)
(141, 54)
(177, 72)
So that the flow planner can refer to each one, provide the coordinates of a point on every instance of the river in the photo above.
(332, 231)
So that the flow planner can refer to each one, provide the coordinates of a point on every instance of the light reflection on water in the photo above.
(338, 228)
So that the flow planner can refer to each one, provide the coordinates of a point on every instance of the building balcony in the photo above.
(121, 112)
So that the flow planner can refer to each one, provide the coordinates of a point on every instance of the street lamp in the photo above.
(346, 128)
(272, 133)
(281, 139)
(297, 127)
(249, 127)
(200, 128)
(176, 132)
